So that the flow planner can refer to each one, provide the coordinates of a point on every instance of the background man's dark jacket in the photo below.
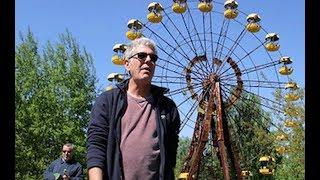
(103, 141)
(73, 169)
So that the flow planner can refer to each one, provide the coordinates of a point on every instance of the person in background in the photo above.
(134, 129)
(65, 167)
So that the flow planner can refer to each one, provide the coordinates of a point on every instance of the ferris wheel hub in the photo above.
(210, 80)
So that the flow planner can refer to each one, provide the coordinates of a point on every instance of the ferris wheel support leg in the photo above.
(231, 152)
(221, 144)
(204, 136)
(224, 143)
(193, 145)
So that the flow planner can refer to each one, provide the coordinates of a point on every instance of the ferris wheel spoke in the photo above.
(172, 63)
(199, 67)
(171, 82)
(223, 40)
(189, 97)
(257, 86)
(256, 83)
(270, 83)
(167, 69)
(257, 151)
(204, 32)
(242, 48)
(184, 89)
(205, 41)
(174, 39)
(184, 38)
(246, 99)
(264, 98)
(236, 43)
(211, 38)
(248, 53)
(238, 134)
(264, 125)
(179, 72)
(202, 66)
(187, 118)
(219, 38)
(252, 69)
(195, 28)
(239, 111)
(192, 43)
(175, 77)
(231, 50)
(168, 44)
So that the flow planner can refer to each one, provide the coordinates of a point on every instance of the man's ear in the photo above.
(126, 65)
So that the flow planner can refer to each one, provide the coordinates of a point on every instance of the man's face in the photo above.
(141, 67)
(67, 152)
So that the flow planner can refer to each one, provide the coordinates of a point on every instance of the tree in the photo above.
(293, 143)
(54, 92)
(184, 143)
(251, 133)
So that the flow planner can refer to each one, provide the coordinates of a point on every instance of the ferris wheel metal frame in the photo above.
(209, 71)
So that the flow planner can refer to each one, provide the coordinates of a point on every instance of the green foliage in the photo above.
(251, 136)
(293, 159)
(184, 143)
(54, 92)
(210, 165)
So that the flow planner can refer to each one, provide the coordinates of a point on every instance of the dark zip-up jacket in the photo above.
(73, 169)
(104, 132)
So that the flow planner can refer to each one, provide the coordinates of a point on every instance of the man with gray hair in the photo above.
(134, 129)
(66, 167)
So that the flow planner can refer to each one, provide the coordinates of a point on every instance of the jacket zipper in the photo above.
(161, 141)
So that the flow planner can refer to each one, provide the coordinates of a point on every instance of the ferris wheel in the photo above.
(211, 57)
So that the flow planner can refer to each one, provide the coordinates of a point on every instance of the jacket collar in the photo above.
(155, 90)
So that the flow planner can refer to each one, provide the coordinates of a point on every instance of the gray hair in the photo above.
(132, 47)
(69, 145)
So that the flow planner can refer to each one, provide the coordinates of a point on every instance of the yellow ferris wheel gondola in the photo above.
(205, 5)
(155, 10)
(281, 150)
(115, 77)
(291, 124)
(284, 70)
(291, 111)
(108, 88)
(266, 165)
(246, 173)
(117, 58)
(134, 29)
(183, 176)
(291, 96)
(253, 23)
(179, 6)
(291, 85)
(230, 11)
(281, 137)
(285, 60)
(272, 42)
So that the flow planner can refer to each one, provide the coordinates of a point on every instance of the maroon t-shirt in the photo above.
(139, 140)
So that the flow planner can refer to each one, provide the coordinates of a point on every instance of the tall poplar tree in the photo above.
(54, 92)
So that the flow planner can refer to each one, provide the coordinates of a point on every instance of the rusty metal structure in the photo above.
(211, 100)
